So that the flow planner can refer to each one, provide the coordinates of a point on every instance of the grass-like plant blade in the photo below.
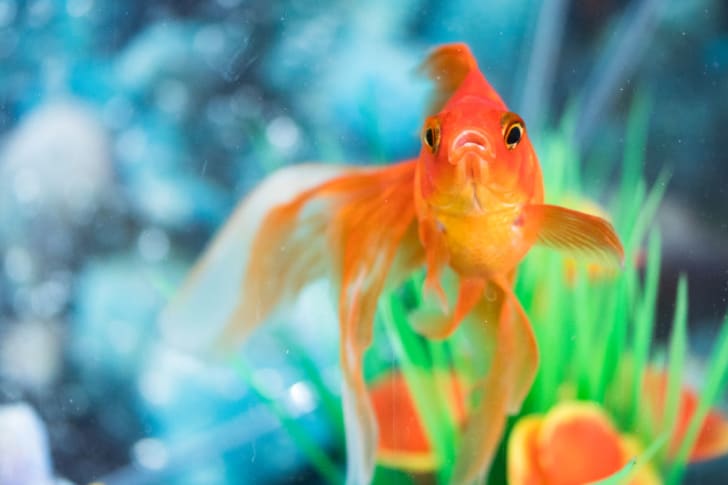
(329, 402)
(623, 475)
(715, 384)
(443, 375)
(411, 354)
(550, 287)
(316, 456)
(647, 212)
(644, 324)
(390, 476)
(676, 358)
(584, 367)
(615, 342)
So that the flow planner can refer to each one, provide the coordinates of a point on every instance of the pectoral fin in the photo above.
(577, 232)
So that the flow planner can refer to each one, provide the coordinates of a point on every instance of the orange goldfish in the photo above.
(472, 201)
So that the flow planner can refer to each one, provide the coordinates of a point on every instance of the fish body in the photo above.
(472, 201)
(473, 188)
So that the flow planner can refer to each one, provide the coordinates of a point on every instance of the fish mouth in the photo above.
(472, 152)
(475, 142)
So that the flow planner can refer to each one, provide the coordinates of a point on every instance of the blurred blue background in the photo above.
(128, 131)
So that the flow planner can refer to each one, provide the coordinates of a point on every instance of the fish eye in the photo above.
(431, 135)
(513, 130)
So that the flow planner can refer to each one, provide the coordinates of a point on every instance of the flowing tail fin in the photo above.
(378, 239)
(210, 299)
(502, 391)
(358, 225)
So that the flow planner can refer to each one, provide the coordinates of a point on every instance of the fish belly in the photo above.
(484, 245)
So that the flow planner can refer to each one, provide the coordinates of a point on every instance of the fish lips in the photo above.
(471, 143)
(471, 153)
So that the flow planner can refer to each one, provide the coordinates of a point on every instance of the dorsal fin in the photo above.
(447, 66)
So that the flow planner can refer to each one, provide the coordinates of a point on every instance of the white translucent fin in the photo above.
(201, 309)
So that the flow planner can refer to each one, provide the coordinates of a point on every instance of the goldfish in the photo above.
(471, 202)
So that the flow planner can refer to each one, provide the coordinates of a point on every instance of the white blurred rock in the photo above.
(56, 162)
(24, 457)
(31, 354)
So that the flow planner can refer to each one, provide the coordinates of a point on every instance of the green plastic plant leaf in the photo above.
(644, 324)
(329, 402)
(313, 452)
(417, 369)
(647, 210)
(676, 358)
(715, 385)
(614, 343)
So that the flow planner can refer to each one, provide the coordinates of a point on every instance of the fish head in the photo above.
(476, 156)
